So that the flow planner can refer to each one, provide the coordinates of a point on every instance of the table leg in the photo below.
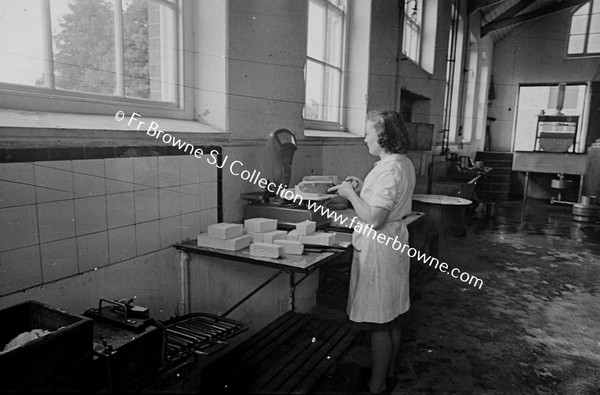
(526, 187)
(580, 189)
(292, 292)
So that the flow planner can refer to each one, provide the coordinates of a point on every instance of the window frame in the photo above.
(52, 100)
(321, 124)
(584, 53)
(419, 29)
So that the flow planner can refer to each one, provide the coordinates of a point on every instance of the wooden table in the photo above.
(305, 264)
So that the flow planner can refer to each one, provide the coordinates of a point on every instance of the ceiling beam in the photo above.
(506, 22)
(475, 5)
(514, 10)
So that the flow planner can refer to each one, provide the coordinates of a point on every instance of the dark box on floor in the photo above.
(66, 350)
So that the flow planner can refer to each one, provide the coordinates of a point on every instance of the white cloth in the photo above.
(380, 274)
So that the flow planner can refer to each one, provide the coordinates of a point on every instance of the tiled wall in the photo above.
(63, 218)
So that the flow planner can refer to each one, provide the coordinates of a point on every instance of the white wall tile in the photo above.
(16, 184)
(146, 205)
(145, 172)
(88, 178)
(120, 209)
(168, 171)
(92, 251)
(190, 225)
(119, 175)
(190, 198)
(170, 231)
(207, 217)
(90, 215)
(54, 181)
(190, 169)
(59, 259)
(121, 243)
(56, 220)
(147, 237)
(208, 172)
(18, 227)
(20, 269)
(170, 202)
(208, 195)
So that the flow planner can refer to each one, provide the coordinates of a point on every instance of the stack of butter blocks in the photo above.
(264, 234)
(306, 233)
(225, 236)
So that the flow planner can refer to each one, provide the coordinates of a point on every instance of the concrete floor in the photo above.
(534, 326)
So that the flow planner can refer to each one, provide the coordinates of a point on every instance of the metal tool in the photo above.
(198, 334)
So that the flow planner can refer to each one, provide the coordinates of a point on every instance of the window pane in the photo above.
(332, 94)
(579, 24)
(335, 25)
(576, 44)
(584, 10)
(149, 46)
(411, 41)
(595, 24)
(596, 8)
(316, 32)
(314, 91)
(593, 43)
(84, 46)
(21, 59)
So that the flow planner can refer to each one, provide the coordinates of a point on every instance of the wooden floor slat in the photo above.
(267, 376)
(293, 368)
(289, 356)
(306, 384)
(309, 368)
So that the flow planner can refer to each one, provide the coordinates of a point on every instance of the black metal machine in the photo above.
(133, 352)
(265, 204)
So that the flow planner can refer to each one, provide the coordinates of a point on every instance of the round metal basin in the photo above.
(444, 215)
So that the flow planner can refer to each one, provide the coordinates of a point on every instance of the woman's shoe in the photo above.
(390, 381)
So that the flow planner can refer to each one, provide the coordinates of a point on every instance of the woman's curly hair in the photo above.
(391, 130)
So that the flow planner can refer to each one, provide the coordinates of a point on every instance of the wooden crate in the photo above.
(67, 350)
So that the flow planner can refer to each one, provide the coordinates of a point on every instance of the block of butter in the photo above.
(291, 246)
(235, 244)
(318, 238)
(273, 235)
(260, 225)
(266, 250)
(225, 230)
(306, 227)
(256, 237)
(293, 235)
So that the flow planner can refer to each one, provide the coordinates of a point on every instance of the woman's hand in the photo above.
(356, 183)
(344, 189)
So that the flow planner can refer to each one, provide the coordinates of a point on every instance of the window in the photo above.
(454, 68)
(411, 42)
(535, 100)
(90, 55)
(584, 35)
(324, 72)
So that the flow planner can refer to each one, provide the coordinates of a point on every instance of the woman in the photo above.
(378, 297)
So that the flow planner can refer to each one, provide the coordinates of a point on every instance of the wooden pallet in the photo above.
(288, 356)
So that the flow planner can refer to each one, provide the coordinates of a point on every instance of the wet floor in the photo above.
(533, 327)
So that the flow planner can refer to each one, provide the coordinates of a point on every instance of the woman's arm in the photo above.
(375, 216)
